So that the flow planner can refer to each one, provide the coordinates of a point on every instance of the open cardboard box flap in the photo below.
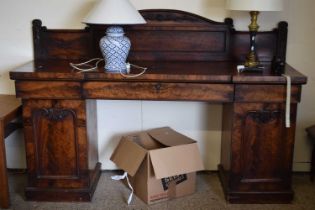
(128, 155)
(176, 160)
(169, 137)
(180, 157)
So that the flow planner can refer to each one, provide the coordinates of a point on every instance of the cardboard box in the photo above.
(161, 163)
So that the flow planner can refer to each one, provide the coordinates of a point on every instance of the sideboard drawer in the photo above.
(158, 91)
(266, 93)
(48, 90)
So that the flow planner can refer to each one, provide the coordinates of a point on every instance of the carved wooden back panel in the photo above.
(176, 35)
(169, 35)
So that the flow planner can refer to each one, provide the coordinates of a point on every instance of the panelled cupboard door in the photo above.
(56, 143)
(262, 147)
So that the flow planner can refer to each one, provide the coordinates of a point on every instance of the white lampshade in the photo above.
(114, 12)
(255, 5)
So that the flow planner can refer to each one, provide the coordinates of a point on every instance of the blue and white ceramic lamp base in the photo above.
(115, 48)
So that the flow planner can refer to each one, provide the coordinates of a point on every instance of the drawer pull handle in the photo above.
(157, 87)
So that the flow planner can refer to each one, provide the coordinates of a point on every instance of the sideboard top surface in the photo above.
(206, 72)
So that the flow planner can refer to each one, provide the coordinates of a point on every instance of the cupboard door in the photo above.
(262, 147)
(56, 143)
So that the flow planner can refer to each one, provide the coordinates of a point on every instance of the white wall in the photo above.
(199, 120)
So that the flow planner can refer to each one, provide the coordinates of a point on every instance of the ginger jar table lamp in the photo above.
(254, 6)
(115, 45)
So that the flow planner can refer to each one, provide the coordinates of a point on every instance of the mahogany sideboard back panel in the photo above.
(188, 58)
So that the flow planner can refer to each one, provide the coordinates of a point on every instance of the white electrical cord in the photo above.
(98, 60)
(120, 177)
(288, 101)
(77, 66)
(128, 65)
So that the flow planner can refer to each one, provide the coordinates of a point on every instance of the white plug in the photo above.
(240, 68)
(128, 66)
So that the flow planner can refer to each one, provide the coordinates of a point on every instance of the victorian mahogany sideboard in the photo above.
(188, 58)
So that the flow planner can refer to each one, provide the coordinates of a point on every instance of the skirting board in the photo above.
(301, 166)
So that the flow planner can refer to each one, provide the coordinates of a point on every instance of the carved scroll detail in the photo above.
(37, 34)
(175, 16)
(264, 116)
(56, 114)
